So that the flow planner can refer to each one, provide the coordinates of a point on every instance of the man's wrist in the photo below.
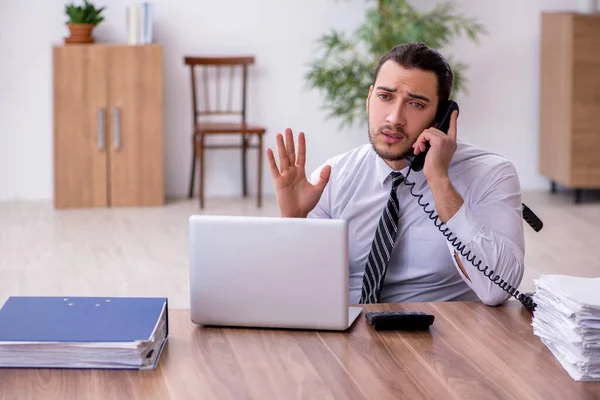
(446, 198)
(440, 183)
(293, 214)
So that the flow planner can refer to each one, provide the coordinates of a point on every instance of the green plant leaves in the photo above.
(86, 14)
(344, 66)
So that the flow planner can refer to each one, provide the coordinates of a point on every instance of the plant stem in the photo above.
(380, 10)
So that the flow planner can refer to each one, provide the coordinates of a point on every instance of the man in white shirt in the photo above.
(397, 253)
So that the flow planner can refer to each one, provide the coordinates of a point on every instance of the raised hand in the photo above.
(296, 196)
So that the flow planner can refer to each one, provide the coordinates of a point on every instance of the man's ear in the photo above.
(368, 98)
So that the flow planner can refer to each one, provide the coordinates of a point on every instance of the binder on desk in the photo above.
(83, 332)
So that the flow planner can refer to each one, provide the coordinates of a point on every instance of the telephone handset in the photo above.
(441, 122)
(416, 163)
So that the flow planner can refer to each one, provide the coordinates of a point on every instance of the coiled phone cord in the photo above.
(528, 215)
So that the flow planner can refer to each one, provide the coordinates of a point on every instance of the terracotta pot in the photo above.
(80, 33)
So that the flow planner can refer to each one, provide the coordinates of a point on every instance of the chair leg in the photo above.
(244, 182)
(200, 153)
(259, 172)
(193, 174)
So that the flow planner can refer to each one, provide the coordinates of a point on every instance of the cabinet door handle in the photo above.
(117, 127)
(100, 133)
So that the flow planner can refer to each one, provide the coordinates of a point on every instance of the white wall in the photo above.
(503, 75)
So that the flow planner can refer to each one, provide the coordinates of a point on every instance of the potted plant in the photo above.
(82, 20)
(343, 70)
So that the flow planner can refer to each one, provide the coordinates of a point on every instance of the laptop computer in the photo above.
(268, 272)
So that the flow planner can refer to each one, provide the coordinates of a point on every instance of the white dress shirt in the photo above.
(422, 266)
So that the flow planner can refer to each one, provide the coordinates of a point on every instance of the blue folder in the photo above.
(81, 319)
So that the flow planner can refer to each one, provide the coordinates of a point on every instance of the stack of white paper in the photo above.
(567, 320)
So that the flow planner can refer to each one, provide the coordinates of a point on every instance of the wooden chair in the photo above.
(212, 107)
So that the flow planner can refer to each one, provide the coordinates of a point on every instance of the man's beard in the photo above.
(388, 154)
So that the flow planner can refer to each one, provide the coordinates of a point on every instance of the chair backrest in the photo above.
(211, 99)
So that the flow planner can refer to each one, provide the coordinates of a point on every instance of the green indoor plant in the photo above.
(343, 70)
(82, 20)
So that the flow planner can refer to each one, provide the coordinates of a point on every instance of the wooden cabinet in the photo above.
(108, 125)
(569, 136)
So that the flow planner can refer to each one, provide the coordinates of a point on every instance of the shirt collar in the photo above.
(383, 170)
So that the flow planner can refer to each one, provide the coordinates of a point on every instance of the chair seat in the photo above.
(227, 128)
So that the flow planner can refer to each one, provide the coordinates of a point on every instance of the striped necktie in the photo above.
(382, 246)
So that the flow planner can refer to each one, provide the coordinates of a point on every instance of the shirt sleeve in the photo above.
(323, 208)
(489, 231)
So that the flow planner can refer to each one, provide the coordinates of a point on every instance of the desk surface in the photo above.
(471, 352)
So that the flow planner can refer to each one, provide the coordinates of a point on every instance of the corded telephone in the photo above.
(441, 122)
(416, 163)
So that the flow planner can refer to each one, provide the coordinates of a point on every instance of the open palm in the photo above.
(295, 194)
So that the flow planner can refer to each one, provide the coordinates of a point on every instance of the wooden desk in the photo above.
(471, 352)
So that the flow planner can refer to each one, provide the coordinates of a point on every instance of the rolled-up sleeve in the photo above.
(488, 231)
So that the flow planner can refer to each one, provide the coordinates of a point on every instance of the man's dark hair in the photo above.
(420, 56)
